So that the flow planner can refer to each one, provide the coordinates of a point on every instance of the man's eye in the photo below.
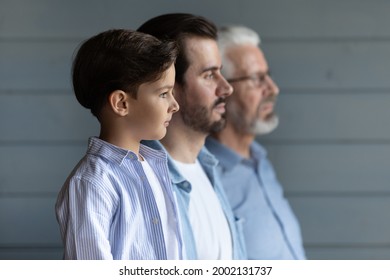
(210, 76)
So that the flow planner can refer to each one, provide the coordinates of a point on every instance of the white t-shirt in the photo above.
(166, 212)
(211, 230)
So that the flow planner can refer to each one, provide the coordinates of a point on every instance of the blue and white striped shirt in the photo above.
(106, 208)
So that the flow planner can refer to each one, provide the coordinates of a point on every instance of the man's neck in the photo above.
(238, 142)
(183, 143)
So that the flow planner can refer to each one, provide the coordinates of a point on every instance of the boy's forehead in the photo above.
(165, 80)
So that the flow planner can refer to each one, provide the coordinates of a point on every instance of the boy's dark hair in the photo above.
(177, 27)
(118, 59)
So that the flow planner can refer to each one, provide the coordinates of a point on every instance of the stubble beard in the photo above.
(198, 117)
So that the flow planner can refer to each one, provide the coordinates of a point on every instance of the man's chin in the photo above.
(265, 127)
(217, 126)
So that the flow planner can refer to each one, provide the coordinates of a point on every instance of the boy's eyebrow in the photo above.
(167, 87)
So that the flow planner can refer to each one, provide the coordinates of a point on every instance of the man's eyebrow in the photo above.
(211, 68)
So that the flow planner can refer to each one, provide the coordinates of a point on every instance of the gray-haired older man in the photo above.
(270, 228)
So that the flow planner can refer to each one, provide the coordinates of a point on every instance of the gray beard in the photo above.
(254, 126)
(264, 127)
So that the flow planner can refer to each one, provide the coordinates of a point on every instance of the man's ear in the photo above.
(119, 102)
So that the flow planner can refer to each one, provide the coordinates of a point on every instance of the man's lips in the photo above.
(220, 108)
(219, 105)
(269, 106)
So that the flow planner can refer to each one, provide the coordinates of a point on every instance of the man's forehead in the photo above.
(202, 52)
(197, 45)
(247, 56)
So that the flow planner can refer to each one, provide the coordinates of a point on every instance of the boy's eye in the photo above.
(163, 95)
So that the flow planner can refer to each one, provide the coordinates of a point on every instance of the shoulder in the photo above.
(95, 174)
(92, 167)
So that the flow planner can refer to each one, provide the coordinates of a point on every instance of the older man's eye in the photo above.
(261, 78)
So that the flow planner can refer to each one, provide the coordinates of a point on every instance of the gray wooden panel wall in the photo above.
(331, 151)
(330, 58)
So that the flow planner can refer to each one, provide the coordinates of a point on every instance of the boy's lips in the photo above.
(166, 123)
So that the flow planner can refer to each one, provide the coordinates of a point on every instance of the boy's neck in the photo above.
(119, 138)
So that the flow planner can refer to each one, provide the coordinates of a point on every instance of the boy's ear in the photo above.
(119, 102)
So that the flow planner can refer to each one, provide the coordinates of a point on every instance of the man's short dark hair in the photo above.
(178, 27)
(118, 59)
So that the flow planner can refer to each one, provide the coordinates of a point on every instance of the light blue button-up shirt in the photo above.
(106, 208)
(270, 228)
(183, 190)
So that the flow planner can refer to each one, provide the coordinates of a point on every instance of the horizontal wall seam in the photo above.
(337, 194)
(355, 245)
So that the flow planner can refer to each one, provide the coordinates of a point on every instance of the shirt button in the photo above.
(155, 221)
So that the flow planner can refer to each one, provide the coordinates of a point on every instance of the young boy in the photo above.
(117, 203)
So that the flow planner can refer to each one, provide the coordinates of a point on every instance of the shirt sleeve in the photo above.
(87, 221)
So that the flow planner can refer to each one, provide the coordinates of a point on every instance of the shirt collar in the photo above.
(257, 150)
(205, 158)
(176, 177)
(117, 154)
(227, 157)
